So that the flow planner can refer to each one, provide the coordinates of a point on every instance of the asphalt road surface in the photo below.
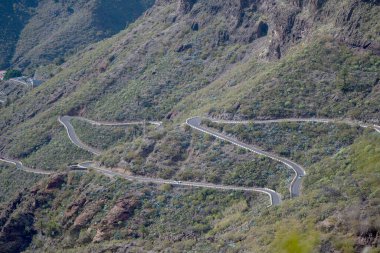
(65, 121)
(105, 123)
(195, 123)
(298, 169)
(275, 198)
(20, 166)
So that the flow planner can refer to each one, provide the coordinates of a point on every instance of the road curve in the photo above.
(65, 121)
(20, 166)
(299, 170)
(295, 185)
(195, 123)
(275, 198)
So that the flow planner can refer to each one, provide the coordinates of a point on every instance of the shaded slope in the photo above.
(39, 32)
(12, 22)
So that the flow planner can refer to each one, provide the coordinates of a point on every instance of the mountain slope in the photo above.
(14, 15)
(39, 32)
(144, 72)
(225, 59)
(91, 213)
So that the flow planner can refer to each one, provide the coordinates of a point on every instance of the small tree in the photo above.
(12, 73)
(344, 80)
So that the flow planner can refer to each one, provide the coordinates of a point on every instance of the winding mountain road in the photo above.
(66, 122)
(298, 169)
(195, 123)
(105, 123)
(20, 166)
(275, 198)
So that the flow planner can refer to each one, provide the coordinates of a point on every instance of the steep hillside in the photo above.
(170, 63)
(13, 16)
(9, 189)
(338, 212)
(236, 59)
(41, 32)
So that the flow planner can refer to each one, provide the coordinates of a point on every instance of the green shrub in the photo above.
(12, 73)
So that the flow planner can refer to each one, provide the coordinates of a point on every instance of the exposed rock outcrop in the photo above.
(88, 213)
(56, 181)
(351, 21)
(122, 211)
(17, 220)
(73, 208)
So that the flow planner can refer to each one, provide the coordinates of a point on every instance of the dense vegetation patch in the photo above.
(11, 73)
(141, 216)
(337, 211)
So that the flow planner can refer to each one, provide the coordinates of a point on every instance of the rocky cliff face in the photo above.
(23, 217)
(17, 221)
(287, 23)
